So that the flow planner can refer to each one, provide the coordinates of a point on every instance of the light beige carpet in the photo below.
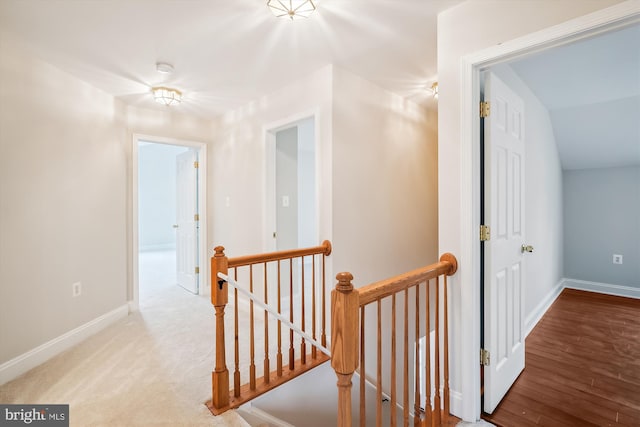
(151, 369)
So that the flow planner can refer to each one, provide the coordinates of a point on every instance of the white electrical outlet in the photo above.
(617, 259)
(76, 289)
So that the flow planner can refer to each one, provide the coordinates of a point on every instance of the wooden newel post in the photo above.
(219, 299)
(345, 341)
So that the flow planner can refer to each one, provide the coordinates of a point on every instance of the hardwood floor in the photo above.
(582, 366)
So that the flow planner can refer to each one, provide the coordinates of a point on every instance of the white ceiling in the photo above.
(592, 91)
(227, 53)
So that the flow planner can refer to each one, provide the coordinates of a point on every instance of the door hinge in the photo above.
(196, 164)
(485, 233)
(197, 270)
(485, 109)
(485, 357)
(196, 217)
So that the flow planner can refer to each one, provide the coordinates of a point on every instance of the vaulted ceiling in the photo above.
(592, 91)
(226, 53)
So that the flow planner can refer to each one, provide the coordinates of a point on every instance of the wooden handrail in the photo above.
(384, 288)
(324, 249)
(347, 342)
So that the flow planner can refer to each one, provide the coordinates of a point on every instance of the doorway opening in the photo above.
(169, 245)
(472, 65)
(291, 205)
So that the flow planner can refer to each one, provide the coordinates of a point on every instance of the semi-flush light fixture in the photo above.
(292, 9)
(434, 90)
(166, 95)
(164, 68)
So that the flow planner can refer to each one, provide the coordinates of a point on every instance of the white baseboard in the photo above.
(455, 403)
(21, 364)
(534, 317)
(263, 416)
(603, 288)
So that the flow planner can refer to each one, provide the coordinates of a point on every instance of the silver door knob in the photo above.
(526, 248)
(175, 225)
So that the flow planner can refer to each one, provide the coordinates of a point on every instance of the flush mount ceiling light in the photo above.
(292, 9)
(166, 95)
(164, 68)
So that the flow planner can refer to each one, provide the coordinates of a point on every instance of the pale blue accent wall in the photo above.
(602, 218)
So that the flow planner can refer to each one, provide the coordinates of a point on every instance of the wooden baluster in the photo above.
(292, 353)
(323, 337)
(405, 376)
(267, 368)
(303, 346)
(314, 350)
(451, 259)
(363, 373)
(436, 360)
(279, 355)
(236, 342)
(416, 373)
(344, 342)
(252, 341)
(428, 418)
(379, 369)
(446, 351)
(393, 360)
(219, 299)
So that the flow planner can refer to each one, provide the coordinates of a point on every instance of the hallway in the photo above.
(151, 368)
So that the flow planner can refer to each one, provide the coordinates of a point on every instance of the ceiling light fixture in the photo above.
(434, 90)
(292, 9)
(164, 67)
(166, 95)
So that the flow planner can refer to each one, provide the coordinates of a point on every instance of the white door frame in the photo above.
(203, 261)
(471, 65)
(269, 131)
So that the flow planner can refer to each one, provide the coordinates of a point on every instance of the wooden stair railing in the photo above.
(419, 291)
(282, 274)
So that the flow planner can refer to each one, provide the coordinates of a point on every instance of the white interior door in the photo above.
(505, 214)
(187, 220)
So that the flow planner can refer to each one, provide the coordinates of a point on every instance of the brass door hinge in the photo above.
(197, 270)
(196, 217)
(485, 109)
(485, 233)
(196, 164)
(485, 357)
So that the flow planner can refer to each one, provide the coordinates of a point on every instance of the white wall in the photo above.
(384, 181)
(63, 213)
(238, 162)
(65, 205)
(543, 269)
(157, 196)
(486, 24)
